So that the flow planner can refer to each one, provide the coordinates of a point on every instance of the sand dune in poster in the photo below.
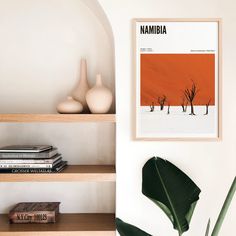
(171, 74)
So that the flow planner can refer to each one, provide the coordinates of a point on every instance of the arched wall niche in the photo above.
(41, 44)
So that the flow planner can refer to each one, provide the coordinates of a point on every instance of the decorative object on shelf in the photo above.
(70, 106)
(34, 212)
(99, 98)
(79, 93)
(178, 85)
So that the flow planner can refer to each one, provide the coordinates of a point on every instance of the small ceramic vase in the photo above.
(70, 106)
(99, 98)
(79, 93)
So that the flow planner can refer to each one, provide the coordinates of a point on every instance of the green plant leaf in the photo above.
(129, 230)
(208, 228)
(172, 190)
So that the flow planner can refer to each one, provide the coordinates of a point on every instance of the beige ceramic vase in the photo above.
(79, 93)
(70, 106)
(99, 98)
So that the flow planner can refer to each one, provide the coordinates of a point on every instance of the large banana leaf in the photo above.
(172, 190)
(129, 230)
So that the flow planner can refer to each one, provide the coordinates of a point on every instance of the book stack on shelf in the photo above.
(31, 159)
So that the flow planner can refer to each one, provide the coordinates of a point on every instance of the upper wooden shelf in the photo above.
(58, 118)
(73, 173)
(67, 225)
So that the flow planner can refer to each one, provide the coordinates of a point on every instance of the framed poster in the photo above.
(177, 74)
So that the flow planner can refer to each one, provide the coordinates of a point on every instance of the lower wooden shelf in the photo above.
(67, 225)
(73, 173)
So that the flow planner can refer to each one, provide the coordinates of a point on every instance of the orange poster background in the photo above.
(170, 74)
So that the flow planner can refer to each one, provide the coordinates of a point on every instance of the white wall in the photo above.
(212, 165)
(41, 43)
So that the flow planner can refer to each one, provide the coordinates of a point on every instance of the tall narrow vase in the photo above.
(79, 93)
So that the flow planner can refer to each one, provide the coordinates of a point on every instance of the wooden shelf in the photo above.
(67, 225)
(73, 173)
(58, 118)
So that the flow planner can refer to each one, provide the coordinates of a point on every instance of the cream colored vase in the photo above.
(79, 93)
(99, 98)
(70, 106)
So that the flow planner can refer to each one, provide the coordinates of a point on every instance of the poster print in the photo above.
(177, 79)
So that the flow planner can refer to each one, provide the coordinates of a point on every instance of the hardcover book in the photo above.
(29, 165)
(34, 212)
(29, 155)
(32, 161)
(25, 148)
(58, 168)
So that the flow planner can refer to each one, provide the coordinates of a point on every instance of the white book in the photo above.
(28, 166)
(31, 161)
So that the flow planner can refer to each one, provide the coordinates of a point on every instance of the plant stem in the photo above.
(208, 227)
(224, 209)
(180, 233)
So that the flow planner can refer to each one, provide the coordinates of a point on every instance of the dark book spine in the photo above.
(59, 167)
(22, 171)
(42, 217)
(17, 166)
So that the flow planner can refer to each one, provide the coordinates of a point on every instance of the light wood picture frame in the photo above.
(178, 79)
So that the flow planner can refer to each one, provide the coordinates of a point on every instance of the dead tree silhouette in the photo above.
(207, 107)
(161, 101)
(168, 111)
(152, 107)
(190, 94)
(186, 107)
(184, 104)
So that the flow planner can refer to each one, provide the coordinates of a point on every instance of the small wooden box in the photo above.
(34, 212)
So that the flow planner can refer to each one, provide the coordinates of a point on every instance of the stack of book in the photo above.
(30, 159)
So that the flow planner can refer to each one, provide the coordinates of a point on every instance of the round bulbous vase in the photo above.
(79, 93)
(99, 98)
(70, 106)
